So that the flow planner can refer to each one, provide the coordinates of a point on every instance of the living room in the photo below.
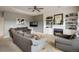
(47, 23)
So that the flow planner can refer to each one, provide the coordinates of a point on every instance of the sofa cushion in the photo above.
(20, 32)
(28, 35)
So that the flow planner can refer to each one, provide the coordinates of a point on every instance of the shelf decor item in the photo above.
(20, 21)
(58, 19)
(49, 22)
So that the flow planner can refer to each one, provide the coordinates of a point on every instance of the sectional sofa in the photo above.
(23, 42)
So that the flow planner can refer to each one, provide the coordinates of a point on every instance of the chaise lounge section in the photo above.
(24, 43)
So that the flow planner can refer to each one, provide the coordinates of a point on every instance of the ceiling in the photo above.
(21, 9)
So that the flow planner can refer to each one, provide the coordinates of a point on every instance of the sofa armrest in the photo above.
(63, 41)
(75, 44)
(29, 39)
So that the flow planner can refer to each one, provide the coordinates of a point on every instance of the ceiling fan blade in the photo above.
(38, 10)
(41, 8)
(33, 10)
(30, 8)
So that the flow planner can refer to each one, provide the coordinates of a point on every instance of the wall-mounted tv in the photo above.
(33, 24)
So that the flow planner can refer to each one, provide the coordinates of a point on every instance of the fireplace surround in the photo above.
(59, 32)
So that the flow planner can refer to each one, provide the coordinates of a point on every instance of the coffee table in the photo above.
(38, 45)
(48, 47)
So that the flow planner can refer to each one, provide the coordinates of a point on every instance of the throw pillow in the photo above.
(20, 32)
(28, 35)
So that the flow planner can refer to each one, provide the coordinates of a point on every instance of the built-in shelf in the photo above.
(49, 22)
(71, 21)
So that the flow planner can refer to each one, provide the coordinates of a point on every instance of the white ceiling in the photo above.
(21, 9)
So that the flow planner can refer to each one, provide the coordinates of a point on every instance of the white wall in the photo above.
(39, 19)
(52, 10)
(10, 20)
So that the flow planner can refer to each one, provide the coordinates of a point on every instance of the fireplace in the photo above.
(58, 32)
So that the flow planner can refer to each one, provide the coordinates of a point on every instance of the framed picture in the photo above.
(58, 19)
(33, 24)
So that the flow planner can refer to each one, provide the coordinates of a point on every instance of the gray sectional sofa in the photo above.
(23, 42)
(67, 45)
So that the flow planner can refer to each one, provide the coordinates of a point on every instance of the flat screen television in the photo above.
(33, 24)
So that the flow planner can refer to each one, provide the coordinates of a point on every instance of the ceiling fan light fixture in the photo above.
(35, 8)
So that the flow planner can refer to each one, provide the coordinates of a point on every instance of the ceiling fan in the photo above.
(36, 8)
